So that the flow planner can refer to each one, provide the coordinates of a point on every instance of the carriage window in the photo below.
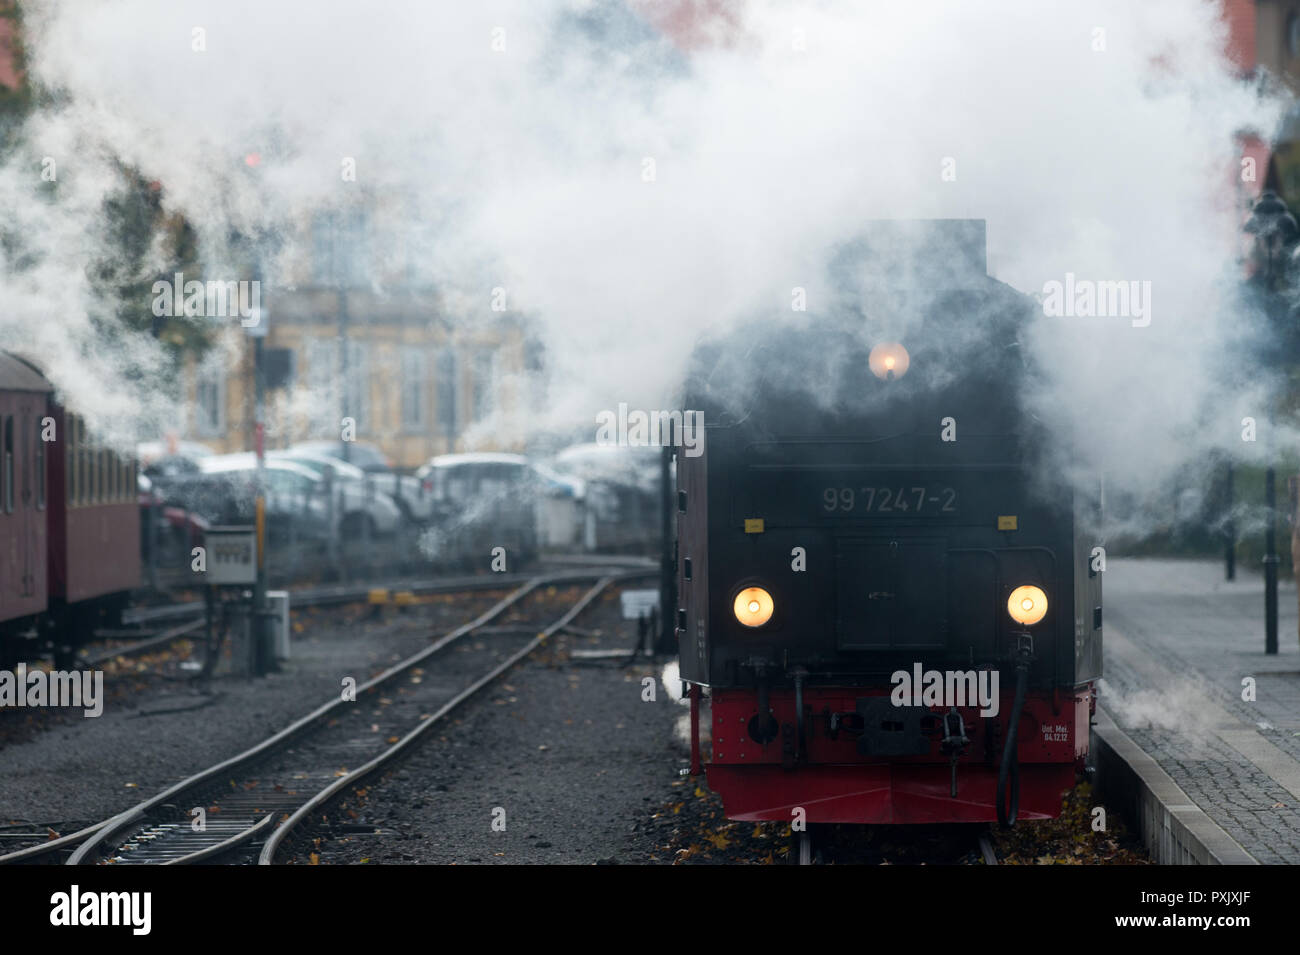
(9, 464)
(78, 463)
(87, 468)
(38, 462)
(81, 461)
(69, 461)
(26, 463)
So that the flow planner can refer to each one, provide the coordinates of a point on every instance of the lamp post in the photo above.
(1275, 231)
(1230, 526)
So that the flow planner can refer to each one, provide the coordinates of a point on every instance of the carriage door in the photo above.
(20, 537)
(18, 443)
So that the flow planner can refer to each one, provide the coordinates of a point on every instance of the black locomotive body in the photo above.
(870, 496)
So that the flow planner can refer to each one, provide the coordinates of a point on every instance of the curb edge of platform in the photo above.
(1174, 829)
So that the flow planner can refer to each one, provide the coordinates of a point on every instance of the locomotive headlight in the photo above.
(1027, 605)
(889, 361)
(753, 606)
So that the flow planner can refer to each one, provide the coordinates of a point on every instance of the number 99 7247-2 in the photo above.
(886, 500)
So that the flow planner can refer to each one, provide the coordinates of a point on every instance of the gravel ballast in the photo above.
(60, 768)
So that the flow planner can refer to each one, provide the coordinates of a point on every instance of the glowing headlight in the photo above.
(753, 606)
(889, 361)
(1027, 605)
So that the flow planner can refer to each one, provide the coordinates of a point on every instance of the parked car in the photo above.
(172, 529)
(224, 491)
(484, 501)
(634, 466)
(169, 459)
(622, 494)
(412, 496)
(354, 511)
(367, 457)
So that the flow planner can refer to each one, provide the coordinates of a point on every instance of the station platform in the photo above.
(1212, 776)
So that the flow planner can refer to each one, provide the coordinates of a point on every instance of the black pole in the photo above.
(1270, 514)
(1230, 525)
(1271, 561)
(345, 447)
(1275, 230)
(262, 656)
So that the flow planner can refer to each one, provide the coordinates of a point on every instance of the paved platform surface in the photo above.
(1179, 642)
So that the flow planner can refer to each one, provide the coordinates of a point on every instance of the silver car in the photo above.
(413, 495)
(355, 512)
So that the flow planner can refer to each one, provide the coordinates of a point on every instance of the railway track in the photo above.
(255, 799)
(191, 619)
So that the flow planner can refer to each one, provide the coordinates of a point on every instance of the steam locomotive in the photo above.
(884, 579)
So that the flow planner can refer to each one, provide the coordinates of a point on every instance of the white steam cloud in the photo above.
(516, 139)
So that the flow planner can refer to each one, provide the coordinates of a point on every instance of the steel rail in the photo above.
(323, 597)
(88, 848)
(90, 840)
(267, 856)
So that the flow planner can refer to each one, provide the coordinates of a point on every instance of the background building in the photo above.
(415, 379)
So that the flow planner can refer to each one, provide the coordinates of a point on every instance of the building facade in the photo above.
(392, 368)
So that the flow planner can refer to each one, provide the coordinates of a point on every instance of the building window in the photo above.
(446, 387)
(484, 384)
(323, 414)
(357, 384)
(414, 377)
(331, 401)
(210, 400)
(339, 248)
(1293, 35)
